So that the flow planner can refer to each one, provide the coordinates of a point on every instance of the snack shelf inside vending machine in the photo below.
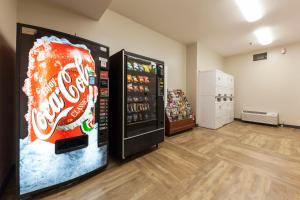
(141, 96)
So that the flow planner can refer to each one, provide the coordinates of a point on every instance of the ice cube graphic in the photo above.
(40, 167)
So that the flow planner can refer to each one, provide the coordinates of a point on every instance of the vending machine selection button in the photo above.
(104, 75)
(103, 62)
(104, 92)
(104, 83)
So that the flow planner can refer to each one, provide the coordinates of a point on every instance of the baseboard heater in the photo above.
(270, 118)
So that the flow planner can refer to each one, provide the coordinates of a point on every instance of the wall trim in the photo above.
(238, 119)
(270, 125)
(291, 126)
(283, 125)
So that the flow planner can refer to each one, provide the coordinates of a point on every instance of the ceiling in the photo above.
(93, 9)
(218, 24)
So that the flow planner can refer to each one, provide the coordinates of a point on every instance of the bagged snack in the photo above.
(139, 106)
(146, 79)
(141, 68)
(129, 66)
(153, 64)
(129, 118)
(129, 78)
(142, 89)
(136, 67)
(140, 116)
(135, 99)
(147, 68)
(130, 99)
(135, 79)
(136, 88)
(148, 106)
(135, 117)
(141, 79)
(141, 99)
(135, 108)
(130, 87)
(128, 108)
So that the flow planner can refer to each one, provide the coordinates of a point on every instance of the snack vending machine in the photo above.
(62, 108)
(137, 103)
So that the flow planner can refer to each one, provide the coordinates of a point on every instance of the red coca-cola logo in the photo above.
(58, 90)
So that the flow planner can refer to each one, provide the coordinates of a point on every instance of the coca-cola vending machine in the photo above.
(63, 108)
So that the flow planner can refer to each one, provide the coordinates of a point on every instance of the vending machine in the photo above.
(62, 108)
(137, 103)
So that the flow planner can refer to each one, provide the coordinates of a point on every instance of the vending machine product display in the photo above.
(137, 99)
(63, 108)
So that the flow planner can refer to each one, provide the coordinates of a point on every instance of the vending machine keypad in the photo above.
(103, 108)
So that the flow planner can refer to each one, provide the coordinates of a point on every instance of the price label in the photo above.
(103, 62)
(103, 49)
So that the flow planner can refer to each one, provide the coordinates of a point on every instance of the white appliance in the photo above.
(215, 99)
(271, 118)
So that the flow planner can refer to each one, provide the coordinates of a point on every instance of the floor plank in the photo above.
(240, 161)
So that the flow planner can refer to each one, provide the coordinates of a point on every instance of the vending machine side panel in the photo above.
(116, 126)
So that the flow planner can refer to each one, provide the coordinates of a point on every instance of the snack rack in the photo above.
(179, 114)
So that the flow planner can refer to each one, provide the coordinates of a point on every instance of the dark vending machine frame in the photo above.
(74, 143)
(123, 145)
(104, 104)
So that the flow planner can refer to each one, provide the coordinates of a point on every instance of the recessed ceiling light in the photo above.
(264, 36)
(251, 9)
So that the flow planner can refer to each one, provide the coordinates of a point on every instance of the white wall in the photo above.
(199, 58)
(113, 30)
(191, 74)
(270, 85)
(8, 15)
(208, 59)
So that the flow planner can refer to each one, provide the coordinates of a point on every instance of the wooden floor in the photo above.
(239, 161)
